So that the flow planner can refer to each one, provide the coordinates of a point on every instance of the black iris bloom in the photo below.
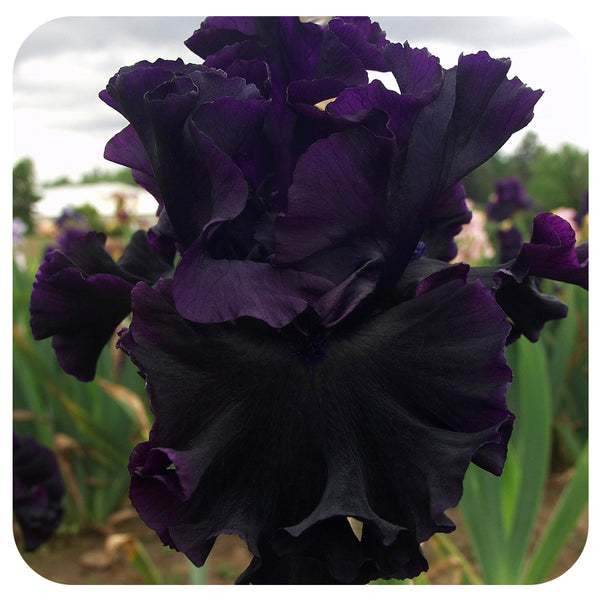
(38, 491)
(314, 355)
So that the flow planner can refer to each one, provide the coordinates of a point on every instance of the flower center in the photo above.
(311, 349)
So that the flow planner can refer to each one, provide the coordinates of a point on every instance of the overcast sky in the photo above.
(60, 123)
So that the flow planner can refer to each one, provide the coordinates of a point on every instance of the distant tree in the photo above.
(97, 175)
(551, 179)
(521, 163)
(479, 184)
(63, 180)
(559, 178)
(24, 191)
(92, 217)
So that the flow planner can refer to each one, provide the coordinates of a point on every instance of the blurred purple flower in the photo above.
(313, 356)
(37, 491)
(510, 196)
(19, 229)
(69, 217)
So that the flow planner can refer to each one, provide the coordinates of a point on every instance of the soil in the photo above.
(95, 557)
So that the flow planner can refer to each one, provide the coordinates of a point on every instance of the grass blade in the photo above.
(533, 431)
(569, 509)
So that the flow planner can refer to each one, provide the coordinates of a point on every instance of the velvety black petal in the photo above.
(380, 426)
(80, 295)
(142, 261)
(526, 305)
(38, 491)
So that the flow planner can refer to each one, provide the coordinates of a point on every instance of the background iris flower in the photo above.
(38, 491)
(311, 354)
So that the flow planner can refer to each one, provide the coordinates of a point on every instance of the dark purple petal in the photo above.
(228, 121)
(212, 291)
(448, 216)
(80, 314)
(126, 149)
(38, 491)
(402, 110)
(253, 71)
(488, 109)
(217, 32)
(80, 295)
(469, 118)
(343, 299)
(142, 261)
(338, 61)
(417, 72)
(174, 109)
(349, 169)
(551, 254)
(364, 38)
(283, 460)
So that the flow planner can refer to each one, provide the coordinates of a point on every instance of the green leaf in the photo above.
(560, 349)
(563, 521)
(533, 430)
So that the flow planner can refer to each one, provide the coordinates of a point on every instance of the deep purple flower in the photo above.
(37, 491)
(313, 356)
(510, 196)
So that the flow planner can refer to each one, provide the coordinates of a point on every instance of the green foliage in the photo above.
(552, 179)
(93, 219)
(550, 399)
(559, 178)
(24, 194)
(95, 176)
(92, 426)
(501, 512)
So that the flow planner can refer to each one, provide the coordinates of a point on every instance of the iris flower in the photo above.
(312, 356)
(38, 491)
(510, 196)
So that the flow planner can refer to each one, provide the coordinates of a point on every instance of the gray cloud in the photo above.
(473, 31)
(81, 34)
(62, 65)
